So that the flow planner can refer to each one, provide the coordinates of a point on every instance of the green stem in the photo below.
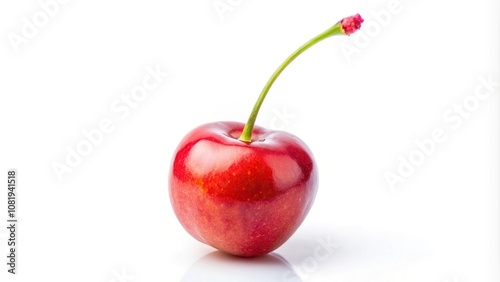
(246, 135)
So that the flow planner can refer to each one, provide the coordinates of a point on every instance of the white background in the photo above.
(110, 218)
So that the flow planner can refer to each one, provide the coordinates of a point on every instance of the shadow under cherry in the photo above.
(220, 267)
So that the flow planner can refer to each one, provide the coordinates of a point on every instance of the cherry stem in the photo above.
(246, 135)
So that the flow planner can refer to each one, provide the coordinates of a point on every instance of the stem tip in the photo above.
(351, 24)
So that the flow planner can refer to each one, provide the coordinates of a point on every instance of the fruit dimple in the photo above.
(236, 134)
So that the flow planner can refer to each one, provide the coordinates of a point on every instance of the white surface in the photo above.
(111, 215)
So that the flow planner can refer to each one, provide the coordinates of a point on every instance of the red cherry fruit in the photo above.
(241, 188)
(243, 198)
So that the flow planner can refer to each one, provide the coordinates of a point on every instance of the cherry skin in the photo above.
(243, 198)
